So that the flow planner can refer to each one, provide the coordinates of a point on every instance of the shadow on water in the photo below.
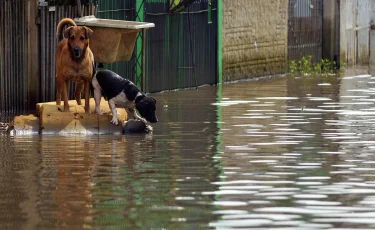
(280, 153)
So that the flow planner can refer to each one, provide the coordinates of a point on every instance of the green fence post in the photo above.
(220, 41)
(219, 94)
(209, 8)
(140, 63)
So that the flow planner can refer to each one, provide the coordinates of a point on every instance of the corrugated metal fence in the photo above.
(305, 29)
(13, 77)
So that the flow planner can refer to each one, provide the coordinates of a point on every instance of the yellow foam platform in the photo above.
(50, 119)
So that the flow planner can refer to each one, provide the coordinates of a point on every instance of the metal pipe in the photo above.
(144, 60)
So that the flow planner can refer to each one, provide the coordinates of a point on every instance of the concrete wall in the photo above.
(254, 38)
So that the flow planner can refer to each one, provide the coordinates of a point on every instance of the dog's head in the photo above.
(146, 107)
(78, 39)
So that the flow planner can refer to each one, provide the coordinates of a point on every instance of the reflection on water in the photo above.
(118, 182)
(280, 153)
(298, 154)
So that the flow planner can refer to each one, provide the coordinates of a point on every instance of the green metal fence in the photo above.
(119, 10)
(182, 47)
(181, 51)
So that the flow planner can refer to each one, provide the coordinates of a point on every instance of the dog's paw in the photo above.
(97, 110)
(141, 119)
(114, 121)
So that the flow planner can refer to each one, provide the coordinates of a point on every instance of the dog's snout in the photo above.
(77, 51)
(154, 120)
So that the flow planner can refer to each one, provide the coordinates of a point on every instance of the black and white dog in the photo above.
(122, 93)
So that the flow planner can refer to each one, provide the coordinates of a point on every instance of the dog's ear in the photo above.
(153, 100)
(88, 32)
(139, 98)
(67, 32)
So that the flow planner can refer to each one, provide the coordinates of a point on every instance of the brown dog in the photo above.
(74, 62)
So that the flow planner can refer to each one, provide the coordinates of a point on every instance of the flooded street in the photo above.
(276, 153)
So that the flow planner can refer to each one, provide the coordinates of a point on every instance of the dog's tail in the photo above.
(60, 27)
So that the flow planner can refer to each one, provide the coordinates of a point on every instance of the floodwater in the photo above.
(276, 153)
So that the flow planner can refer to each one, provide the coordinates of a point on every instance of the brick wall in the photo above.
(254, 38)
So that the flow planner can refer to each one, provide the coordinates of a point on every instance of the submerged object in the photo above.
(136, 126)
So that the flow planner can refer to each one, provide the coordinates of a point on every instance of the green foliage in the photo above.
(342, 64)
(305, 66)
(293, 67)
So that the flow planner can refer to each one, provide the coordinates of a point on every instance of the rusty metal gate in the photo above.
(305, 29)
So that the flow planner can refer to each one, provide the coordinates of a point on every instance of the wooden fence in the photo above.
(355, 31)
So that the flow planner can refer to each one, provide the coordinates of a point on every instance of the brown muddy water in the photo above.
(277, 153)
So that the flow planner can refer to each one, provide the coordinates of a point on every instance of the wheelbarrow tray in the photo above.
(112, 40)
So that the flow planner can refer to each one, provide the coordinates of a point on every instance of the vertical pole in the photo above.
(219, 94)
(372, 46)
(220, 41)
(209, 8)
(144, 60)
(32, 60)
(79, 8)
(219, 120)
(139, 7)
(343, 44)
(191, 51)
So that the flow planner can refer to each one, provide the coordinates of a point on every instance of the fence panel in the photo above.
(363, 31)
(181, 49)
(305, 29)
(355, 31)
(119, 10)
(13, 67)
